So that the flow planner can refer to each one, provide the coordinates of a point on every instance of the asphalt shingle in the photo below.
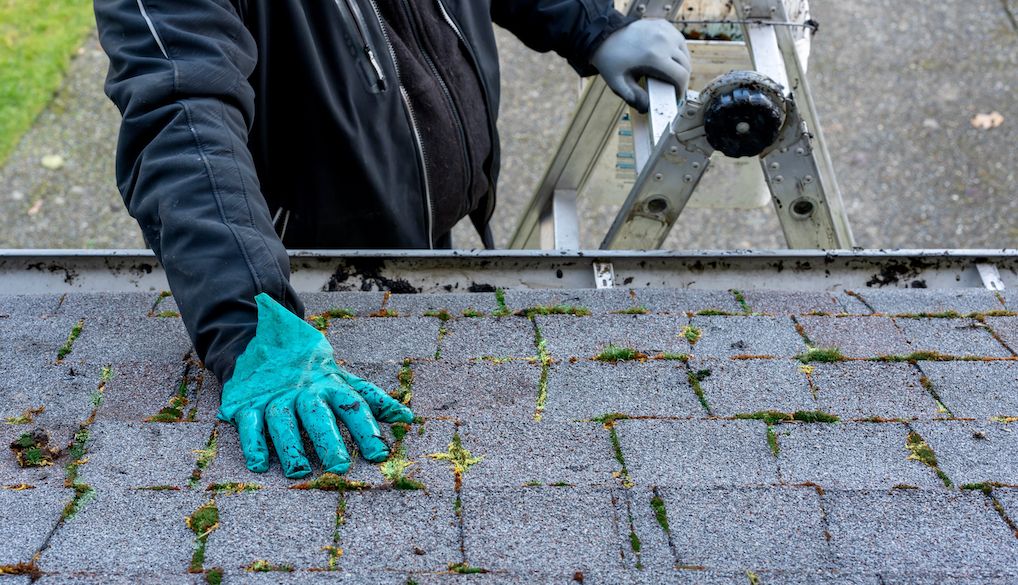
(915, 302)
(975, 389)
(585, 390)
(856, 336)
(557, 531)
(905, 529)
(850, 456)
(774, 302)
(416, 305)
(598, 301)
(585, 337)
(711, 453)
(681, 301)
(143, 454)
(974, 452)
(514, 454)
(745, 386)
(857, 390)
(399, 531)
(282, 527)
(27, 517)
(957, 337)
(125, 531)
(485, 337)
(361, 304)
(724, 529)
(383, 339)
(1006, 329)
(747, 336)
(476, 391)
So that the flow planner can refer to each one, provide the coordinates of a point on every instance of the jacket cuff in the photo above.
(597, 31)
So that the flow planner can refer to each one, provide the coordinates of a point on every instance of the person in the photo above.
(250, 126)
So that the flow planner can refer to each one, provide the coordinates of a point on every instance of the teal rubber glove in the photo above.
(288, 372)
(648, 47)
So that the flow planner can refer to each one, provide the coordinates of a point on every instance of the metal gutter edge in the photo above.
(26, 271)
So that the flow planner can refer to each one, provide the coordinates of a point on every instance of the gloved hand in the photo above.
(288, 371)
(648, 47)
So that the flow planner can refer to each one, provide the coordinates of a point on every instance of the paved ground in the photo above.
(897, 84)
(744, 458)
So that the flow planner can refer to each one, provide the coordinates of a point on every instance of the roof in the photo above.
(707, 454)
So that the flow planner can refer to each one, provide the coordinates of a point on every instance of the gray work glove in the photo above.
(649, 47)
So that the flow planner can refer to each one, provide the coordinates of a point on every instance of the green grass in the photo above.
(37, 39)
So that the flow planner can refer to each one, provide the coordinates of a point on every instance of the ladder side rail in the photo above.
(664, 187)
(774, 54)
(583, 144)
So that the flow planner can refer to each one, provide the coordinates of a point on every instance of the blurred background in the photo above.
(916, 99)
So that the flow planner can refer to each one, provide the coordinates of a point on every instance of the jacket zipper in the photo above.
(422, 157)
(362, 30)
(480, 78)
(445, 93)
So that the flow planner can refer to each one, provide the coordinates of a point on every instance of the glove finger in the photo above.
(671, 72)
(385, 408)
(639, 98)
(251, 428)
(282, 424)
(683, 60)
(320, 424)
(353, 410)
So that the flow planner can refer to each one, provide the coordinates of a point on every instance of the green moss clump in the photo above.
(694, 380)
(202, 522)
(920, 450)
(692, 334)
(330, 482)
(442, 315)
(633, 311)
(465, 569)
(715, 313)
(339, 313)
(741, 299)
(26, 417)
(672, 357)
(614, 353)
(394, 469)
(472, 313)
(771, 417)
(609, 419)
(319, 322)
(772, 441)
(233, 487)
(634, 542)
(814, 416)
(263, 566)
(503, 309)
(457, 456)
(214, 576)
(941, 315)
(821, 355)
(573, 310)
(68, 345)
(658, 505)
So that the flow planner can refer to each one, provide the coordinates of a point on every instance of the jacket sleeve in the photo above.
(572, 28)
(178, 73)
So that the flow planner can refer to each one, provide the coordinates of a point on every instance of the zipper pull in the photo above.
(376, 66)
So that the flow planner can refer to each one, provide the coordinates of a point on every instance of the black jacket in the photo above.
(242, 116)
